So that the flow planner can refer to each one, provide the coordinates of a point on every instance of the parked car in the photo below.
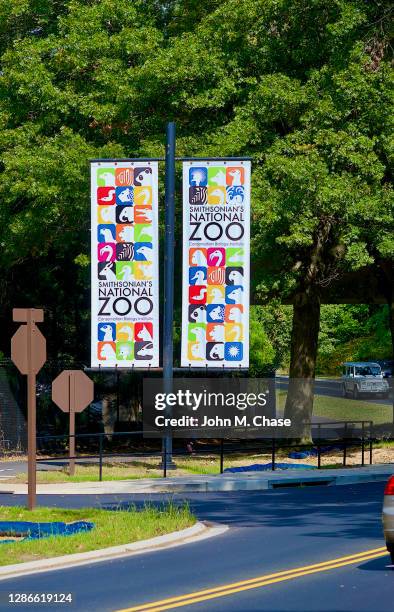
(387, 367)
(363, 378)
(388, 516)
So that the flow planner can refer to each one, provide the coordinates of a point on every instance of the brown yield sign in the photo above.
(28, 352)
(72, 391)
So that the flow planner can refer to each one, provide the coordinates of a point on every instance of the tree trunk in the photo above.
(303, 353)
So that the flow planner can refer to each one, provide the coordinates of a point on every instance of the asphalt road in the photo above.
(333, 388)
(270, 532)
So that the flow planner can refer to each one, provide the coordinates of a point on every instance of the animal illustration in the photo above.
(237, 256)
(236, 177)
(125, 329)
(147, 231)
(198, 195)
(197, 350)
(107, 235)
(124, 176)
(235, 196)
(108, 333)
(107, 177)
(147, 270)
(106, 213)
(216, 314)
(217, 333)
(198, 333)
(143, 197)
(217, 352)
(236, 295)
(235, 277)
(107, 252)
(125, 273)
(124, 351)
(108, 273)
(107, 352)
(218, 193)
(236, 332)
(198, 258)
(145, 252)
(143, 176)
(144, 334)
(235, 315)
(109, 197)
(198, 278)
(219, 179)
(146, 351)
(126, 215)
(124, 251)
(218, 255)
(216, 295)
(198, 314)
(146, 215)
(126, 195)
(217, 277)
(198, 177)
(201, 295)
(127, 233)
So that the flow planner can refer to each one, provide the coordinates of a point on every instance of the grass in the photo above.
(113, 527)
(344, 409)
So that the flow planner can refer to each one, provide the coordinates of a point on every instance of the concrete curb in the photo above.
(199, 531)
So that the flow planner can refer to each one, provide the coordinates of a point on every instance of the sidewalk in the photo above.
(246, 481)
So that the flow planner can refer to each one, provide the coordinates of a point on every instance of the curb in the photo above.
(199, 531)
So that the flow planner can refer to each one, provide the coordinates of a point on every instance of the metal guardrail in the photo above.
(225, 447)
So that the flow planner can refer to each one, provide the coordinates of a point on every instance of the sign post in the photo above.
(72, 391)
(28, 352)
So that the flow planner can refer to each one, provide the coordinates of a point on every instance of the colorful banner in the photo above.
(124, 256)
(215, 301)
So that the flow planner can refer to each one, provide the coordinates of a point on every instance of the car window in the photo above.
(368, 371)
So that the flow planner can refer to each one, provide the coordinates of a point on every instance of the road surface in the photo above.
(332, 387)
(270, 532)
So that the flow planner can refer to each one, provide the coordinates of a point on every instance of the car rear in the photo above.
(388, 516)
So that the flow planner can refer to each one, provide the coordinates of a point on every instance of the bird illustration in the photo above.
(236, 295)
(216, 294)
(146, 270)
(235, 277)
(218, 193)
(106, 213)
(147, 231)
(218, 255)
(143, 197)
(108, 333)
(107, 252)
(107, 235)
(236, 333)
(107, 177)
(125, 273)
(199, 278)
(125, 329)
(197, 350)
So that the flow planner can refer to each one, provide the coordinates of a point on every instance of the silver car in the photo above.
(388, 516)
(363, 378)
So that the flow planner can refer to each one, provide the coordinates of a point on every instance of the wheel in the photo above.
(356, 394)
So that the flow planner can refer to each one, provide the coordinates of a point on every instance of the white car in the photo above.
(363, 378)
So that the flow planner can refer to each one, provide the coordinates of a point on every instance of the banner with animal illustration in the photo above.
(124, 264)
(215, 299)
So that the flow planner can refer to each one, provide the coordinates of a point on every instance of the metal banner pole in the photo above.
(169, 280)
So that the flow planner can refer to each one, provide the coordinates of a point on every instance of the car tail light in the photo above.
(389, 490)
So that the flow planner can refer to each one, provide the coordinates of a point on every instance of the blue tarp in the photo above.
(265, 467)
(313, 452)
(34, 531)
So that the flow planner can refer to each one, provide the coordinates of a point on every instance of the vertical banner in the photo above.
(216, 247)
(124, 268)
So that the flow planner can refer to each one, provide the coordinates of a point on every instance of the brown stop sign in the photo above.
(21, 351)
(72, 390)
